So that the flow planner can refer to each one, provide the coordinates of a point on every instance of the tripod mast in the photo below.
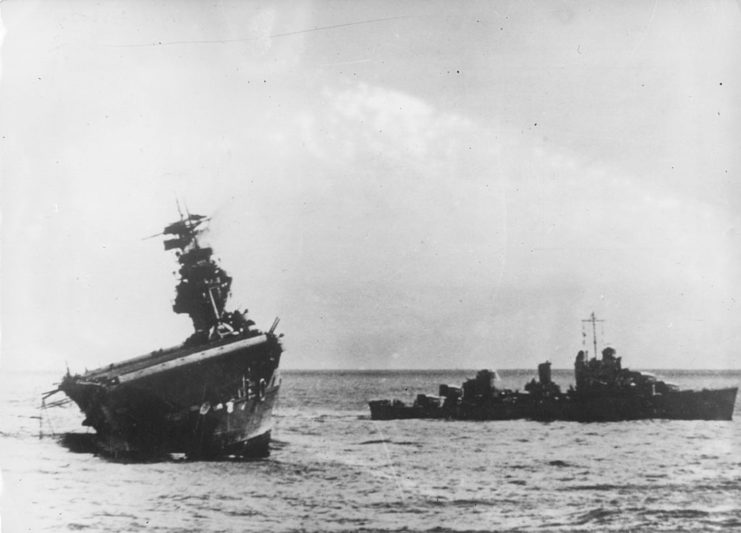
(593, 319)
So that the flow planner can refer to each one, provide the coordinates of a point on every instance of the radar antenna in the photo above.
(593, 319)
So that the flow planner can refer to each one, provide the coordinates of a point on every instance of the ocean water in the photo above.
(333, 469)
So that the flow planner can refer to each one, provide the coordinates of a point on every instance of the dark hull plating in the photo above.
(679, 405)
(210, 401)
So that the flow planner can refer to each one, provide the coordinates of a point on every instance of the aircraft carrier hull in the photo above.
(207, 401)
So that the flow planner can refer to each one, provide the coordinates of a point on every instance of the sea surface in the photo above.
(333, 469)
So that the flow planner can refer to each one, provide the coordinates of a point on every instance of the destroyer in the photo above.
(605, 391)
(211, 396)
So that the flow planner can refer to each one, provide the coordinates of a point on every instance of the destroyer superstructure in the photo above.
(605, 391)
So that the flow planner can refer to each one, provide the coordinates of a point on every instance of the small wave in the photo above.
(675, 513)
(244, 512)
(481, 501)
(700, 437)
(729, 523)
(599, 486)
(389, 441)
(596, 516)
(443, 529)
(558, 462)
(276, 444)
(653, 486)
(404, 529)
(108, 514)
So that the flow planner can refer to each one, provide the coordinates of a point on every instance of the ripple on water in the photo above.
(334, 470)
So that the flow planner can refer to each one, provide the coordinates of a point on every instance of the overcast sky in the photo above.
(406, 184)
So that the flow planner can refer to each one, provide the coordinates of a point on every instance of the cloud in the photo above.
(471, 231)
(370, 120)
